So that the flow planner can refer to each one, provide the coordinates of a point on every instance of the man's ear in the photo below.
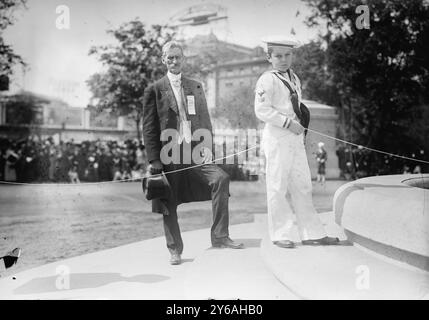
(163, 60)
(269, 57)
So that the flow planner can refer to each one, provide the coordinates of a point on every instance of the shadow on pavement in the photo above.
(344, 243)
(82, 281)
(187, 260)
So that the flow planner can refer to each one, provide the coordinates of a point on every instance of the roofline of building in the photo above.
(51, 127)
(37, 95)
(241, 62)
(231, 44)
(238, 46)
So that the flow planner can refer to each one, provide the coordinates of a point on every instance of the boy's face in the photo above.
(281, 58)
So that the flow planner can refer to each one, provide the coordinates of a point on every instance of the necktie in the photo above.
(185, 128)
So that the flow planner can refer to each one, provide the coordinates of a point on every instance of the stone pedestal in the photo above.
(388, 215)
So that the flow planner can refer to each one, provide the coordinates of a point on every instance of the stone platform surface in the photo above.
(343, 272)
(261, 271)
(141, 270)
(388, 211)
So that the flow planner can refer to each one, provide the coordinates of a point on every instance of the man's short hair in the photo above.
(170, 45)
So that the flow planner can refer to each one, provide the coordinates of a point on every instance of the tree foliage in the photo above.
(380, 75)
(130, 66)
(8, 58)
(237, 108)
(310, 64)
(24, 108)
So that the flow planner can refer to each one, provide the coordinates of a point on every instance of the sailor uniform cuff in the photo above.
(287, 122)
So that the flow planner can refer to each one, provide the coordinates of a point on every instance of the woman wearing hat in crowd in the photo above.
(321, 157)
(12, 158)
(277, 103)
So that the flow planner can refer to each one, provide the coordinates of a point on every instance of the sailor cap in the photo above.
(283, 41)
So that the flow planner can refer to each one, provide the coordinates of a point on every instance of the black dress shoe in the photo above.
(227, 243)
(284, 244)
(326, 241)
(175, 259)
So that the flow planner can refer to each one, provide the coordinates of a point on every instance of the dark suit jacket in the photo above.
(160, 112)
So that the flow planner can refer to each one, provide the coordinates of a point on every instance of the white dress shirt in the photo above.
(185, 126)
(176, 84)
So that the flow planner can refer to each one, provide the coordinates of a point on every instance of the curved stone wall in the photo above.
(420, 182)
(388, 215)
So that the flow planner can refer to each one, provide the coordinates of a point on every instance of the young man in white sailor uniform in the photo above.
(287, 170)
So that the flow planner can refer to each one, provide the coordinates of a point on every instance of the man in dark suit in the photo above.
(175, 118)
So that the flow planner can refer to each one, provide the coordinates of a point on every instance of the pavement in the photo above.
(55, 222)
(344, 272)
(142, 271)
(261, 271)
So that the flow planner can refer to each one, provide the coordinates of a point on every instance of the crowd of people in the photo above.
(34, 160)
(359, 162)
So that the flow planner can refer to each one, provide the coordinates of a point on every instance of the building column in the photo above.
(86, 119)
(121, 123)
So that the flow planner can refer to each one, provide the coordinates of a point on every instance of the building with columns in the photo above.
(51, 116)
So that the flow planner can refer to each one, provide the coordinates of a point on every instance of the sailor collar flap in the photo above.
(293, 83)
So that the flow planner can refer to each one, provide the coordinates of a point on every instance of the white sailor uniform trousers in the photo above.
(287, 169)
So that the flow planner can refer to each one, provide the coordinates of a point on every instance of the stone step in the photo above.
(141, 270)
(235, 273)
(343, 272)
(388, 215)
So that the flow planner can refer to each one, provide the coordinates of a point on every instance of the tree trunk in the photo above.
(139, 137)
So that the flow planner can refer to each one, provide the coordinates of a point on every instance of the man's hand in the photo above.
(155, 167)
(296, 127)
(207, 155)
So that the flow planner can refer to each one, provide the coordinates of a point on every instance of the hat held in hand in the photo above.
(156, 187)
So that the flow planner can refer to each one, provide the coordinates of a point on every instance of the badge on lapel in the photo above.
(191, 105)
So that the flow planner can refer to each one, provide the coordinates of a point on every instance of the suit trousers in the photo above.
(218, 181)
(287, 171)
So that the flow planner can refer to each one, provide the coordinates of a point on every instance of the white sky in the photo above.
(59, 58)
